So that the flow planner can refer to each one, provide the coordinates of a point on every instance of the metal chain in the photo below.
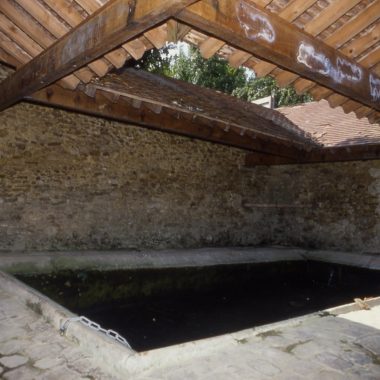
(94, 326)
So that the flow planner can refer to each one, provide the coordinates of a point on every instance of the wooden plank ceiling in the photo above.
(349, 27)
(330, 48)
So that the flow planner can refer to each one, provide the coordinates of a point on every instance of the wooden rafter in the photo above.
(264, 34)
(362, 152)
(23, 22)
(112, 25)
(176, 31)
(352, 49)
(334, 11)
(155, 116)
(23, 57)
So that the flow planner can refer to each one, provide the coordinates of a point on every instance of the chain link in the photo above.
(94, 326)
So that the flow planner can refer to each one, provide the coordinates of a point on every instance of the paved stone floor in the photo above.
(317, 348)
(31, 349)
(327, 347)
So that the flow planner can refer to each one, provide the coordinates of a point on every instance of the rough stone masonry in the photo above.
(70, 181)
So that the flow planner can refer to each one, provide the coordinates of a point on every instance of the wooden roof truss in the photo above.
(331, 51)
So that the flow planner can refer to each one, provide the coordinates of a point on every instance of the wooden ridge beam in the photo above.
(248, 27)
(362, 152)
(112, 25)
(139, 112)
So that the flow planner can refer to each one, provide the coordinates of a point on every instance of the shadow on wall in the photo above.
(335, 205)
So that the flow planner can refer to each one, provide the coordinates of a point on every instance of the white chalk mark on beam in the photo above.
(342, 70)
(315, 61)
(347, 70)
(255, 26)
(374, 84)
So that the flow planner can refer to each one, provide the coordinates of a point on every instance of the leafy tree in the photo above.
(216, 73)
(257, 88)
(213, 73)
(157, 61)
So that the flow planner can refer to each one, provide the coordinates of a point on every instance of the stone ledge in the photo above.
(42, 262)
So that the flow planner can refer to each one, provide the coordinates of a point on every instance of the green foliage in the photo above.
(257, 88)
(212, 73)
(157, 61)
(215, 73)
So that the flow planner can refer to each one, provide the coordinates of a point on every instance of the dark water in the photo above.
(157, 308)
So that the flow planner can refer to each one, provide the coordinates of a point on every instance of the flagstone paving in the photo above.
(325, 347)
(30, 348)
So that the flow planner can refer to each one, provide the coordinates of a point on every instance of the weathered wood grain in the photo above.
(112, 25)
(263, 34)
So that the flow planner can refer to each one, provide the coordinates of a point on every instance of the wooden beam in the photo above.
(67, 10)
(350, 106)
(356, 47)
(157, 36)
(18, 36)
(329, 15)
(238, 58)
(136, 48)
(303, 85)
(210, 46)
(91, 6)
(248, 27)
(362, 152)
(109, 27)
(289, 13)
(336, 100)
(143, 113)
(323, 20)
(8, 59)
(374, 117)
(23, 57)
(176, 31)
(35, 31)
(363, 112)
(320, 92)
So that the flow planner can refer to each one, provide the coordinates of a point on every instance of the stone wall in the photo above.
(334, 206)
(69, 181)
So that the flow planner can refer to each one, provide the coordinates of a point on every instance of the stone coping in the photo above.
(45, 262)
(126, 362)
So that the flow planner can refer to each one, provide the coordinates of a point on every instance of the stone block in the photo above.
(61, 372)
(14, 346)
(334, 361)
(48, 362)
(13, 361)
(22, 373)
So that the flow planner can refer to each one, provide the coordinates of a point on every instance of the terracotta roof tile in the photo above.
(188, 98)
(331, 126)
